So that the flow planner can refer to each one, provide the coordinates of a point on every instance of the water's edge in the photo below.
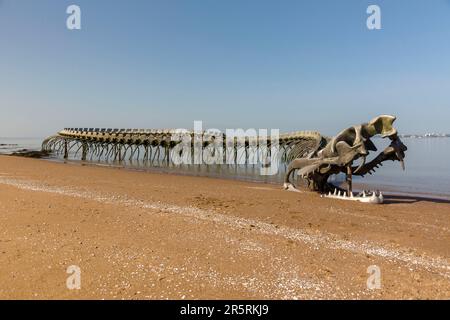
(427, 175)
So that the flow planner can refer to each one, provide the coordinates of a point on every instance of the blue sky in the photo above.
(292, 65)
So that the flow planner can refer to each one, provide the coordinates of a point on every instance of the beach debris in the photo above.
(37, 154)
(290, 187)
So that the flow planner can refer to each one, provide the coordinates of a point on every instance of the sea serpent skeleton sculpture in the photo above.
(339, 155)
(155, 145)
(312, 156)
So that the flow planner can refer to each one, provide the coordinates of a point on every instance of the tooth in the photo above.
(335, 192)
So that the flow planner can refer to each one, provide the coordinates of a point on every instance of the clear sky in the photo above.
(292, 65)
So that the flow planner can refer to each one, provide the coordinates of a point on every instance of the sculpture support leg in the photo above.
(84, 152)
(66, 153)
(349, 180)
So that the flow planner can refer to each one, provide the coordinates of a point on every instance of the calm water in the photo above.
(9, 145)
(427, 167)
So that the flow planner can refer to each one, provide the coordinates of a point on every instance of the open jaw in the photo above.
(374, 197)
(339, 154)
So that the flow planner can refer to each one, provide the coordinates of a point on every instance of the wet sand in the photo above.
(140, 235)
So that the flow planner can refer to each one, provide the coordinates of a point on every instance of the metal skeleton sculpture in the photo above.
(339, 154)
(314, 157)
(154, 145)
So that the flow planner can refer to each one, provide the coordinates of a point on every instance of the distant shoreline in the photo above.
(425, 136)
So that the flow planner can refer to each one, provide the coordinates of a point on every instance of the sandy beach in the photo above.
(139, 235)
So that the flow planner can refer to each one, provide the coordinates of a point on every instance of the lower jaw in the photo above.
(374, 197)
